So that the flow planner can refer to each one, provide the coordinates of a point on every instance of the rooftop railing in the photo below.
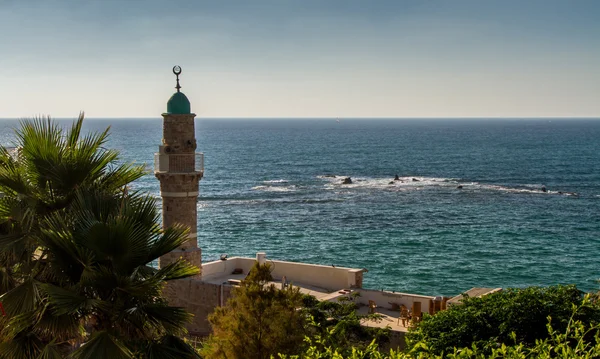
(178, 163)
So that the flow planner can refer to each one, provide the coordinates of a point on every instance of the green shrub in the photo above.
(507, 317)
(578, 341)
(339, 326)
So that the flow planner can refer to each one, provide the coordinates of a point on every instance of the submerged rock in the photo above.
(347, 180)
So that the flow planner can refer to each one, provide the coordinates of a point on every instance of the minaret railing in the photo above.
(179, 163)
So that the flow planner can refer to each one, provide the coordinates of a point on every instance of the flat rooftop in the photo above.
(390, 319)
(326, 283)
(232, 279)
(313, 279)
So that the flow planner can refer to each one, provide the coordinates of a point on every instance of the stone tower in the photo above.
(179, 169)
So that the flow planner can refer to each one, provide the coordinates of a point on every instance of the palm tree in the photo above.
(41, 178)
(98, 288)
(75, 253)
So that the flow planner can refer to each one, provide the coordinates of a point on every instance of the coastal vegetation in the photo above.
(579, 339)
(258, 320)
(535, 322)
(261, 321)
(76, 249)
(503, 318)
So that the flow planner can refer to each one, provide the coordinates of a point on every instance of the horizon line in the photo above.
(333, 118)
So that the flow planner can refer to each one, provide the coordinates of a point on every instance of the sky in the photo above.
(303, 58)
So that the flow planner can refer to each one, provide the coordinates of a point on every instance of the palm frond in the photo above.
(51, 351)
(171, 238)
(20, 324)
(21, 299)
(75, 131)
(102, 345)
(160, 317)
(67, 327)
(65, 255)
(25, 346)
(142, 208)
(63, 301)
(13, 180)
(177, 270)
(170, 347)
(102, 278)
(120, 176)
(8, 240)
(7, 279)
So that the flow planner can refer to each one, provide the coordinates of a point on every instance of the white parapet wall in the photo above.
(326, 277)
(218, 269)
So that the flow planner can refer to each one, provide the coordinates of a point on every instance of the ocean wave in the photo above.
(275, 188)
(528, 189)
(285, 200)
(276, 181)
(335, 182)
(416, 183)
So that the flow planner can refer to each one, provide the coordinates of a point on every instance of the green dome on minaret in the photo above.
(178, 104)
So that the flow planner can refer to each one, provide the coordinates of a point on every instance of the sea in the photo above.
(468, 210)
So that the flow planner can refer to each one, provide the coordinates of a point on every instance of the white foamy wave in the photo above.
(416, 183)
(526, 189)
(388, 183)
(276, 181)
(511, 189)
(274, 188)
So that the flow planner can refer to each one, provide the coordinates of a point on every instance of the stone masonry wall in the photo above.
(179, 187)
(179, 133)
(196, 297)
(358, 280)
(181, 210)
(192, 255)
(180, 182)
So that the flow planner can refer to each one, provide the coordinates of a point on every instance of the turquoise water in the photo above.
(275, 186)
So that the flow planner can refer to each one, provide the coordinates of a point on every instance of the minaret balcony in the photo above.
(179, 162)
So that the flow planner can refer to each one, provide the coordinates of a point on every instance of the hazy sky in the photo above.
(303, 58)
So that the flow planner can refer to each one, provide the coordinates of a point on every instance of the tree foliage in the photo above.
(501, 318)
(258, 321)
(338, 325)
(40, 178)
(76, 250)
(578, 341)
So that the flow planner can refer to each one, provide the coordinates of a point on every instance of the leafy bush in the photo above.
(578, 341)
(339, 326)
(258, 320)
(506, 317)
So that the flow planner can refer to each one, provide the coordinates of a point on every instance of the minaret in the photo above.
(179, 169)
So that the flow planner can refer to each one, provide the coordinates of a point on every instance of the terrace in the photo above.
(323, 282)
(326, 283)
